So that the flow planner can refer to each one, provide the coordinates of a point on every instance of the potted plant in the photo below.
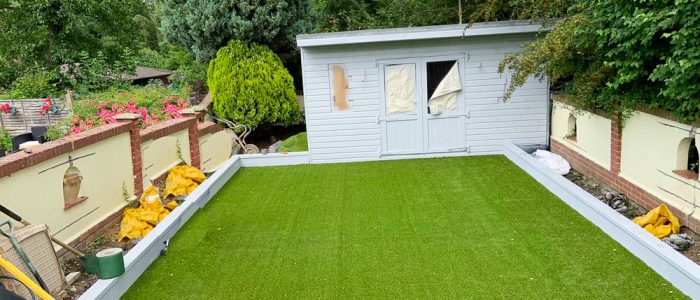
(5, 142)
(8, 109)
(49, 106)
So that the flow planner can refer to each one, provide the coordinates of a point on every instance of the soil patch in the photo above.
(598, 189)
(73, 264)
(266, 135)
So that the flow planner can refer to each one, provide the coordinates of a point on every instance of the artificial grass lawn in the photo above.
(474, 227)
(295, 143)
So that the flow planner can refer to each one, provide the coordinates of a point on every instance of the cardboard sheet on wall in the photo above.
(339, 85)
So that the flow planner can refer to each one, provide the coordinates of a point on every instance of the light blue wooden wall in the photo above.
(355, 135)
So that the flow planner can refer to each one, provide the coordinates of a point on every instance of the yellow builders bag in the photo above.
(659, 221)
(182, 180)
(138, 222)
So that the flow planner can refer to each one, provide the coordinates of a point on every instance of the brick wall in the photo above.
(612, 178)
(125, 123)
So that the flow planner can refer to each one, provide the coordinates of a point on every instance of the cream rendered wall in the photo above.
(592, 133)
(215, 149)
(649, 155)
(159, 155)
(36, 193)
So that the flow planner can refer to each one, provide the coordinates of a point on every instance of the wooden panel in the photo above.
(403, 136)
(445, 134)
(28, 115)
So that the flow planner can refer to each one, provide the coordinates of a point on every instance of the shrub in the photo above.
(249, 85)
(148, 97)
(5, 140)
(58, 130)
(36, 84)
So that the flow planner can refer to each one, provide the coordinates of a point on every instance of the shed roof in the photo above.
(417, 33)
(147, 73)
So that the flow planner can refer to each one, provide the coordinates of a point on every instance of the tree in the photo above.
(249, 85)
(616, 55)
(342, 15)
(48, 33)
(204, 26)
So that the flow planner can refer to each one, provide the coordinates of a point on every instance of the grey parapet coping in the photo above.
(680, 271)
(418, 33)
(275, 159)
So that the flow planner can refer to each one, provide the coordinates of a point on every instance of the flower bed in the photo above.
(106, 112)
(154, 105)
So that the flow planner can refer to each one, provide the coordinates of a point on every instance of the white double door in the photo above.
(423, 105)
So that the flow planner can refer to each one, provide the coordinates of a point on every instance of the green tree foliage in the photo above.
(341, 15)
(617, 55)
(34, 84)
(249, 85)
(5, 140)
(203, 26)
(49, 33)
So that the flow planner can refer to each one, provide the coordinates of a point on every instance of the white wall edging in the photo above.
(139, 258)
(275, 159)
(671, 265)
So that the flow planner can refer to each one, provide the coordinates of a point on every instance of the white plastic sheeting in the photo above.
(553, 161)
(400, 88)
(445, 95)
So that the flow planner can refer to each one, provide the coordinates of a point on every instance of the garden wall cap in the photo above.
(193, 110)
(127, 116)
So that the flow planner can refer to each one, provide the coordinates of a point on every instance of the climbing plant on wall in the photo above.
(617, 55)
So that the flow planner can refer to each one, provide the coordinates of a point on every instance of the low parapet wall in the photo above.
(110, 166)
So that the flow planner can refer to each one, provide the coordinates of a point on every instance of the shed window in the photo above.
(688, 159)
(400, 88)
(443, 85)
(339, 88)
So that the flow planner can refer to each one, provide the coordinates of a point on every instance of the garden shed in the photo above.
(419, 91)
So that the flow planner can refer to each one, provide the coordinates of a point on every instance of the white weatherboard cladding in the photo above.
(355, 134)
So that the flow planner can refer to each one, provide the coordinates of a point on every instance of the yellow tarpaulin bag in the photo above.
(182, 180)
(138, 222)
(659, 221)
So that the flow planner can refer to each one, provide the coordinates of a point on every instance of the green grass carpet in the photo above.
(295, 143)
(475, 227)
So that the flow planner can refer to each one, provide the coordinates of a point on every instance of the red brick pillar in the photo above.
(193, 134)
(615, 145)
(135, 138)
